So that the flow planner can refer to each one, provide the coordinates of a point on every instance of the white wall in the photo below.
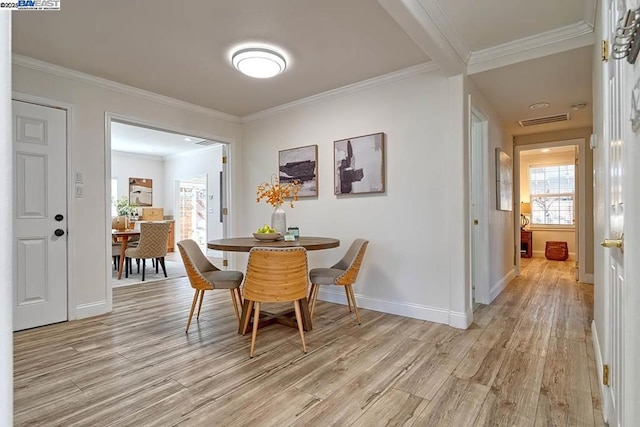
(501, 241)
(128, 165)
(407, 269)
(6, 217)
(90, 287)
(542, 234)
(417, 263)
(190, 165)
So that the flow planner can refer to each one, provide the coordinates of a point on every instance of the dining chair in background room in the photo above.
(115, 254)
(117, 223)
(152, 245)
(275, 275)
(205, 276)
(134, 240)
(343, 273)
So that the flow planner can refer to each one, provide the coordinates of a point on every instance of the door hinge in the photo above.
(604, 51)
(605, 374)
(224, 159)
(224, 211)
(225, 263)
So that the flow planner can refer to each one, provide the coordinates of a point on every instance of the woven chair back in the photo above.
(276, 275)
(153, 240)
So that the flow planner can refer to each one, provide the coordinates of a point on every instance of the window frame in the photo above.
(114, 198)
(535, 226)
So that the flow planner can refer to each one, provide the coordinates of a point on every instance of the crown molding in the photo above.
(139, 156)
(555, 41)
(589, 17)
(428, 32)
(440, 19)
(168, 156)
(425, 67)
(181, 154)
(45, 67)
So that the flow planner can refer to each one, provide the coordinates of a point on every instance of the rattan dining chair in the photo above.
(205, 276)
(275, 275)
(343, 273)
(153, 244)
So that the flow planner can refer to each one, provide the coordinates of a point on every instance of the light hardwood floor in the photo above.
(526, 360)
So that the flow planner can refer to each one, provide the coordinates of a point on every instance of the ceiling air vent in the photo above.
(546, 119)
(204, 143)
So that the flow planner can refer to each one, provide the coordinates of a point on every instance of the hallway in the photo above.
(527, 360)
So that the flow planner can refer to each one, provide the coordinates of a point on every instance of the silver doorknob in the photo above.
(614, 243)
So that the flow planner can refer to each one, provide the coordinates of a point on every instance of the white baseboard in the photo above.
(92, 309)
(599, 363)
(502, 283)
(588, 278)
(461, 320)
(416, 311)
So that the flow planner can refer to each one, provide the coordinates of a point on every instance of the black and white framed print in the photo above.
(359, 164)
(300, 164)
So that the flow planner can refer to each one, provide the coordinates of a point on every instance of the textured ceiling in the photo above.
(141, 140)
(487, 23)
(181, 49)
(561, 79)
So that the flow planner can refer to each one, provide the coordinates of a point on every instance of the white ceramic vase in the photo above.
(279, 220)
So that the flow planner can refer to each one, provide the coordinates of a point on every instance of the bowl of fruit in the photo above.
(267, 234)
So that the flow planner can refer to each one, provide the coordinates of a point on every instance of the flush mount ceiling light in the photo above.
(539, 105)
(258, 62)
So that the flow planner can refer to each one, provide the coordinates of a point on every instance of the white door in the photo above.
(480, 291)
(192, 209)
(621, 225)
(224, 200)
(40, 245)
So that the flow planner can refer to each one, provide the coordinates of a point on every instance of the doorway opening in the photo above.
(192, 209)
(181, 173)
(551, 203)
(478, 210)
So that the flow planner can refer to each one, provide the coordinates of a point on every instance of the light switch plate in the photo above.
(78, 177)
(79, 191)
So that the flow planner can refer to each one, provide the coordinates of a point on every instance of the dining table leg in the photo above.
(123, 248)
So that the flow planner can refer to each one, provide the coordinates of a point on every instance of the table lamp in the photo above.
(525, 208)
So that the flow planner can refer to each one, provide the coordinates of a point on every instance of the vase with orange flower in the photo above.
(276, 194)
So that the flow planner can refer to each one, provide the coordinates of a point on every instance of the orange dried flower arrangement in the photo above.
(276, 194)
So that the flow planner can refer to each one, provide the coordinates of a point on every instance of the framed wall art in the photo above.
(504, 181)
(141, 191)
(359, 164)
(300, 164)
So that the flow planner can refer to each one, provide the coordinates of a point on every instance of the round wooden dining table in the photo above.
(244, 244)
(123, 238)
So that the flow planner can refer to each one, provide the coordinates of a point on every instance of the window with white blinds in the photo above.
(552, 191)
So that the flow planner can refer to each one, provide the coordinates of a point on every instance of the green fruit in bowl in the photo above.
(265, 229)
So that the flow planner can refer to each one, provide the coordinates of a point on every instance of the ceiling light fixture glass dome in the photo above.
(259, 62)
